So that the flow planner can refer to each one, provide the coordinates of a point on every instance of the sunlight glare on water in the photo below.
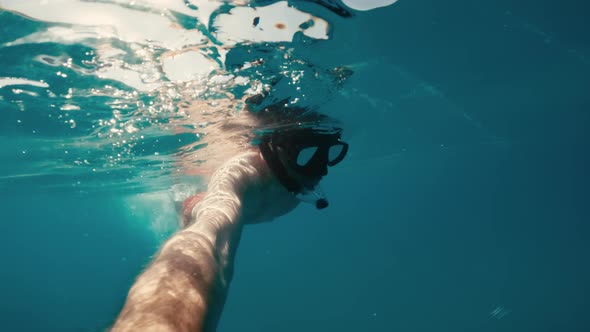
(101, 95)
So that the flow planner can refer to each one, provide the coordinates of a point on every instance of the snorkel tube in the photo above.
(282, 151)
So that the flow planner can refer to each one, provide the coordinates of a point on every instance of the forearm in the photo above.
(185, 287)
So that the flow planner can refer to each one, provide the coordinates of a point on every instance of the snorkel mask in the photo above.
(299, 158)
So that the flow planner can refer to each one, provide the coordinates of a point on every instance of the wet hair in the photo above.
(282, 115)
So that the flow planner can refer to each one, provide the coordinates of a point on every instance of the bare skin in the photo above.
(186, 285)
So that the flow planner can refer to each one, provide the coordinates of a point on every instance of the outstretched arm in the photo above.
(186, 285)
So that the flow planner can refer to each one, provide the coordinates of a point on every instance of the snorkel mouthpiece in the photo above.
(315, 197)
(321, 204)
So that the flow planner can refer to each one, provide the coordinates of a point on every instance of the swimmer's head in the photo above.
(300, 157)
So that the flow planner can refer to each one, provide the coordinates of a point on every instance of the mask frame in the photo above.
(290, 143)
(281, 150)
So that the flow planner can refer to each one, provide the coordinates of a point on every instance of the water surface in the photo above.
(463, 203)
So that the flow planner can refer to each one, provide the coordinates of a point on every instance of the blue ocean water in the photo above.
(462, 206)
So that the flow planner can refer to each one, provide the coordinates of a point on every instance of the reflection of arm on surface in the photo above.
(227, 128)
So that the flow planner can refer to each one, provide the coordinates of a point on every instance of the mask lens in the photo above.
(336, 153)
(305, 155)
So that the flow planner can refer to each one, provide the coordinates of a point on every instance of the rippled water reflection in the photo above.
(107, 94)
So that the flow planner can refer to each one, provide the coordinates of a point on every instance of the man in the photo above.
(185, 287)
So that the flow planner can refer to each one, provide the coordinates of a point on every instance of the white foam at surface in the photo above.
(8, 81)
(126, 24)
(277, 23)
(150, 23)
(129, 77)
(187, 66)
(363, 5)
